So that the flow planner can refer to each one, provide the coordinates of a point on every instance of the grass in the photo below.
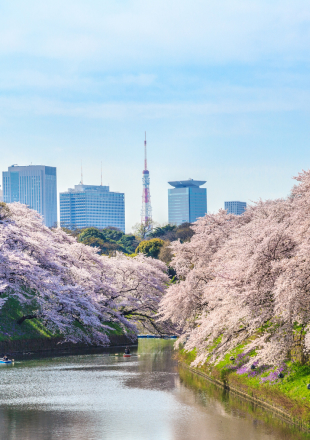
(207, 392)
(289, 394)
(11, 312)
(10, 330)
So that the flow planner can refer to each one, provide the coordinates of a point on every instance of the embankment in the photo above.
(32, 336)
(53, 343)
(288, 399)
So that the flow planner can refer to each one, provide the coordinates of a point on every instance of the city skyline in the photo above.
(82, 188)
(220, 92)
(233, 207)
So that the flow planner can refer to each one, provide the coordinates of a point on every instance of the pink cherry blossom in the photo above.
(71, 288)
(245, 279)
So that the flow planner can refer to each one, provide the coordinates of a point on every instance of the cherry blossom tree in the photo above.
(245, 280)
(140, 283)
(67, 285)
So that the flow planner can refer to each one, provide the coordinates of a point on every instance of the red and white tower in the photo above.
(146, 213)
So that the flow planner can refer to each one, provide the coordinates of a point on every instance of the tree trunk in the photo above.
(23, 318)
(297, 352)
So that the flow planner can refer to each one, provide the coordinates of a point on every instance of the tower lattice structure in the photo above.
(146, 213)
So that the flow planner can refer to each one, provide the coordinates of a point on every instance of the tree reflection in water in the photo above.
(101, 396)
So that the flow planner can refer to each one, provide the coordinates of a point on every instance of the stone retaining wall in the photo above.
(47, 344)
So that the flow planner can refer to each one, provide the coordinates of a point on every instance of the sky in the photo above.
(222, 89)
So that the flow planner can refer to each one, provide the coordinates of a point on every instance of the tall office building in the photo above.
(34, 186)
(186, 201)
(89, 205)
(236, 208)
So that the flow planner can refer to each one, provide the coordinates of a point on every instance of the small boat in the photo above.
(126, 355)
(9, 361)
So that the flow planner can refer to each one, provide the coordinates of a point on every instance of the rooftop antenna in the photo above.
(101, 173)
(81, 174)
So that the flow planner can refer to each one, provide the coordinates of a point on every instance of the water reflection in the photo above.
(104, 396)
(228, 416)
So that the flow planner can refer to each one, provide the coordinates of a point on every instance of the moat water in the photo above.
(96, 396)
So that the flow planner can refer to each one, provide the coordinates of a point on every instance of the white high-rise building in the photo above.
(89, 205)
(34, 186)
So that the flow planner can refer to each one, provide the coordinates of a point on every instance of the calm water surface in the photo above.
(103, 396)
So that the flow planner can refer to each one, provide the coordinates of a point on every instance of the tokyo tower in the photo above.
(146, 213)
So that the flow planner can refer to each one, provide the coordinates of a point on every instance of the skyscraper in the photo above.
(186, 201)
(236, 208)
(90, 205)
(34, 186)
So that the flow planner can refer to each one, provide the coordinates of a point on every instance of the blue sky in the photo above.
(222, 89)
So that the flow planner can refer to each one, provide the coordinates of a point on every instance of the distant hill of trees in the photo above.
(155, 244)
(172, 232)
(107, 240)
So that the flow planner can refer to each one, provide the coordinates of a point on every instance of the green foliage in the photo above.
(151, 248)
(187, 356)
(161, 231)
(112, 233)
(107, 247)
(299, 328)
(172, 232)
(91, 232)
(108, 240)
(100, 238)
(265, 327)
(129, 242)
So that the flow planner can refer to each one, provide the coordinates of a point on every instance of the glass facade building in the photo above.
(186, 201)
(236, 208)
(89, 205)
(34, 186)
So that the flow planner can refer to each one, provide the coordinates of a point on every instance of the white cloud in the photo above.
(140, 32)
(220, 100)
